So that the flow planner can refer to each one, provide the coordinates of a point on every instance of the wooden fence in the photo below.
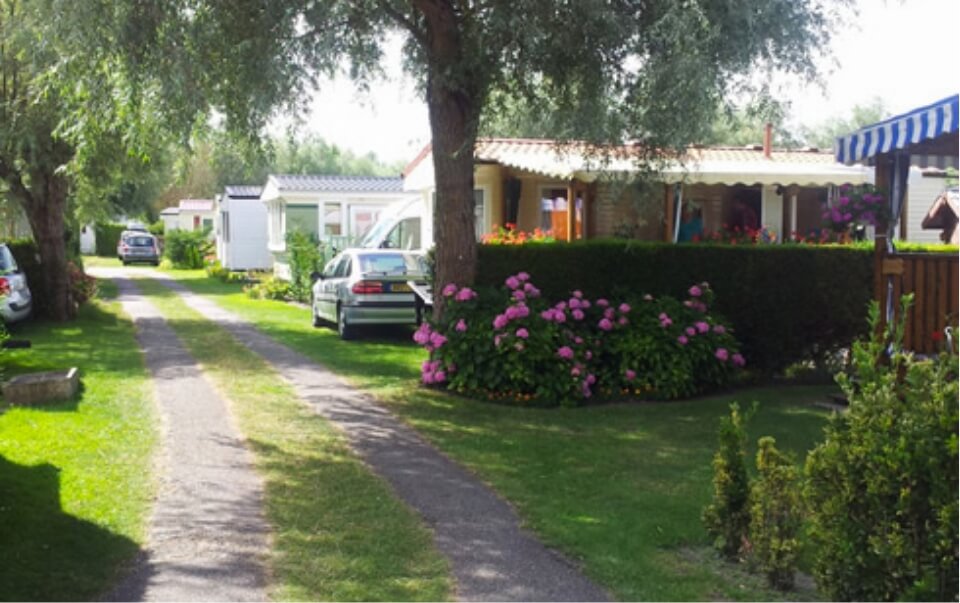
(933, 279)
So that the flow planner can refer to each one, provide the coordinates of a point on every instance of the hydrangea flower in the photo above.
(682, 340)
(519, 295)
(624, 308)
(466, 294)
(500, 321)
(630, 374)
(695, 291)
(605, 324)
(702, 327)
(719, 329)
(461, 326)
(522, 333)
(577, 314)
(512, 282)
(565, 352)
(603, 303)
(523, 277)
(722, 354)
(738, 360)
(690, 331)
(422, 334)
(449, 290)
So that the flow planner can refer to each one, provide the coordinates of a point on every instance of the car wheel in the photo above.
(344, 329)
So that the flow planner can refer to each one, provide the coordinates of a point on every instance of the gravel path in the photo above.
(207, 538)
(492, 557)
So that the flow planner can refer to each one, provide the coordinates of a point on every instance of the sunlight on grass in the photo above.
(76, 477)
(339, 532)
(640, 472)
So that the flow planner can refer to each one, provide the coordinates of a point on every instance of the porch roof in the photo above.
(705, 165)
(928, 134)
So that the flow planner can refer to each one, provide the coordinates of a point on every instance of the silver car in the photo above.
(368, 287)
(16, 303)
(138, 246)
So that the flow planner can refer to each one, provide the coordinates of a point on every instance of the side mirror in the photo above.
(315, 276)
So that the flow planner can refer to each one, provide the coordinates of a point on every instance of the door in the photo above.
(334, 275)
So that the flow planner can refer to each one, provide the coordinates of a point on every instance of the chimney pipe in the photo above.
(768, 140)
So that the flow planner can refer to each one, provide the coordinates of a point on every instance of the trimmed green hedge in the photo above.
(786, 302)
(108, 235)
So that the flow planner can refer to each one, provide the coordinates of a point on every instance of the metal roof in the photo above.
(338, 184)
(706, 165)
(170, 211)
(196, 205)
(242, 191)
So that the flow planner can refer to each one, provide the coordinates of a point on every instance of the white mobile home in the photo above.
(241, 227)
(340, 208)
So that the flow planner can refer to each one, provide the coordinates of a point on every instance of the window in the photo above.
(554, 213)
(362, 217)
(332, 219)
(303, 218)
(405, 235)
(208, 223)
(226, 226)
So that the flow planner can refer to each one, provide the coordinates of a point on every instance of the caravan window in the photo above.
(405, 235)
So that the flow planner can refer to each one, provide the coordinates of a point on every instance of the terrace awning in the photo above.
(923, 133)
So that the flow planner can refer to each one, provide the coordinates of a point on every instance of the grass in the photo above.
(339, 532)
(75, 477)
(618, 488)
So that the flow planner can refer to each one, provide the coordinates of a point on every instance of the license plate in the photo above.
(400, 288)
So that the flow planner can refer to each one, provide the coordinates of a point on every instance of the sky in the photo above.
(904, 52)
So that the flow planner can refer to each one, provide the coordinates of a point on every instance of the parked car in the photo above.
(17, 302)
(368, 287)
(138, 246)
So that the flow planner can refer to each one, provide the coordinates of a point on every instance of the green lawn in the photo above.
(75, 477)
(619, 488)
(339, 532)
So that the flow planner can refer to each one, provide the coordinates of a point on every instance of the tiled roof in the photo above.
(719, 165)
(338, 184)
(242, 191)
(196, 205)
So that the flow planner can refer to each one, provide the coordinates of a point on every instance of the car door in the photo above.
(327, 288)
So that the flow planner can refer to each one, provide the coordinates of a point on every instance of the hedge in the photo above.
(108, 235)
(786, 302)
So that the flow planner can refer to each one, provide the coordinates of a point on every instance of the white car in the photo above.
(16, 303)
(368, 287)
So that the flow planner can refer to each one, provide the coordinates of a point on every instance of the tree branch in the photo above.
(14, 178)
(404, 21)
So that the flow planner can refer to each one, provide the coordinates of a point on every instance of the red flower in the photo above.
(937, 336)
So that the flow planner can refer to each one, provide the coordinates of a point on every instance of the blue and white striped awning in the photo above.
(925, 123)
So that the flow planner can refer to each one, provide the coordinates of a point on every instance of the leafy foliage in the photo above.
(786, 303)
(270, 288)
(306, 256)
(107, 237)
(727, 518)
(776, 515)
(565, 353)
(186, 249)
(882, 487)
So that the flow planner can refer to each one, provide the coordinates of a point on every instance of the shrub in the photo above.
(306, 257)
(107, 237)
(514, 345)
(882, 487)
(727, 518)
(186, 249)
(775, 515)
(82, 285)
(271, 288)
(787, 302)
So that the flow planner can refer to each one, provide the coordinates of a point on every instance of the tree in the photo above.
(654, 70)
(824, 134)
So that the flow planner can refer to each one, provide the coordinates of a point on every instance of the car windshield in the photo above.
(134, 241)
(7, 264)
(388, 263)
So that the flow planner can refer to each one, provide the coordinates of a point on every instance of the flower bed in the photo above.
(516, 346)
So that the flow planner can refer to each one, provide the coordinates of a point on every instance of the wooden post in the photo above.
(571, 211)
(668, 213)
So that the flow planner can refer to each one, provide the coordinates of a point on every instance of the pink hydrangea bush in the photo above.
(514, 345)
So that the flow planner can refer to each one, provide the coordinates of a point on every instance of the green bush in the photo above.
(776, 515)
(305, 257)
(786, 302)
(270, 288)
(108, 236)
(882, 487)
(514, 345)
(727, 518)
(186, 249)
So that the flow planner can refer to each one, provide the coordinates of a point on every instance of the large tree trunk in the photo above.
(453, 100)
(45, 207)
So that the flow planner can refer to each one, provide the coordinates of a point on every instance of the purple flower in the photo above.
(602, 303)
(722, 354)
(522, 333)
(702, 327)
(530, 290)
(565, 352)
(738, 360)
(437, 340)
(547, 314)
(720, 329)
(561, 305)
(578, 340)
(695, 291)
(574, 303)
(449, 290)
(519, 295)
(512, 313)
(575, 371)
(588, 355)
(700, 307)
(578, 294)
(622, 321)
(591, 379)
(682, 340)
(512, 282)
(585, 303)
(691, 331)
(609, 313)
(665, 322)
(624, 308)
(422, 334)
(577, 314)
(522, 310)
(497, 339)
(439, 377)
(461, 326)
(630, 375)
(466, 294)
(500, 321)
(523, 277)
(559, 316)
(605, 324)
